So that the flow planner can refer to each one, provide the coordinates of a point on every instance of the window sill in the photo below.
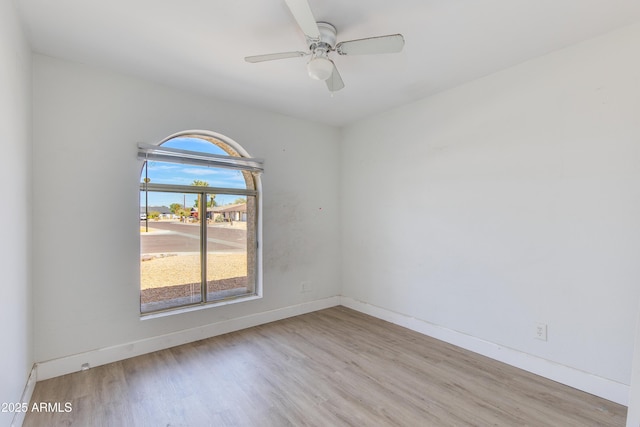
(198, 307)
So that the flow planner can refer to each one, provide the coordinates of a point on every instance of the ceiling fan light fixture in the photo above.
(320, 68)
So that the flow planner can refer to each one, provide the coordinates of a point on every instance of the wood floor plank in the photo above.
(335, 367)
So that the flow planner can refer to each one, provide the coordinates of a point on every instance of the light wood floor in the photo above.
(329, 368)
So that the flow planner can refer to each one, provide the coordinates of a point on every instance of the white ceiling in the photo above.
(201, 44)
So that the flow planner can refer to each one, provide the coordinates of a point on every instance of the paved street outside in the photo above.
(175, 236)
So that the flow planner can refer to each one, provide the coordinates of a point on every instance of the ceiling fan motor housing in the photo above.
(327, 39)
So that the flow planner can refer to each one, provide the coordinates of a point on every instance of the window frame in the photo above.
(237, 159)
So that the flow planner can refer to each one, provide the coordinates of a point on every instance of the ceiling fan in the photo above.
(321, 39)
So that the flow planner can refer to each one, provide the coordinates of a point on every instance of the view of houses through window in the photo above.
(197, 229)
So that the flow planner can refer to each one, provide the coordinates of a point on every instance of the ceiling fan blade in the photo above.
(274, 56)
(383, 44)
(334, 83)
(301, 11)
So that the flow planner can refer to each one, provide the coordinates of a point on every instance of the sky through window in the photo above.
(174, 173)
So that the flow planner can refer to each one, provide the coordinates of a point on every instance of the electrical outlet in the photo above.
(540, 331)
(305, 286)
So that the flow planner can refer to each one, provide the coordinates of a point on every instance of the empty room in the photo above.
(324, 213)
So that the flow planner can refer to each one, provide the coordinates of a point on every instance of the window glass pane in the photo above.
(230, 251)
(179, 174)
(178, 268)
(170, 272)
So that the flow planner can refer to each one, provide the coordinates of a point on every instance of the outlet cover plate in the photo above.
(540, 331)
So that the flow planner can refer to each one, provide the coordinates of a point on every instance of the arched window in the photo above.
(199, 222)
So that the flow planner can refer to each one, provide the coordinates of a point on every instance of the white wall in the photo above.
(87, 123)
(511, 200)
(16, 358)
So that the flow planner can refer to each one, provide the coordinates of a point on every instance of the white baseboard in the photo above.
(73, 363)
(18, 417)
(602, 387)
